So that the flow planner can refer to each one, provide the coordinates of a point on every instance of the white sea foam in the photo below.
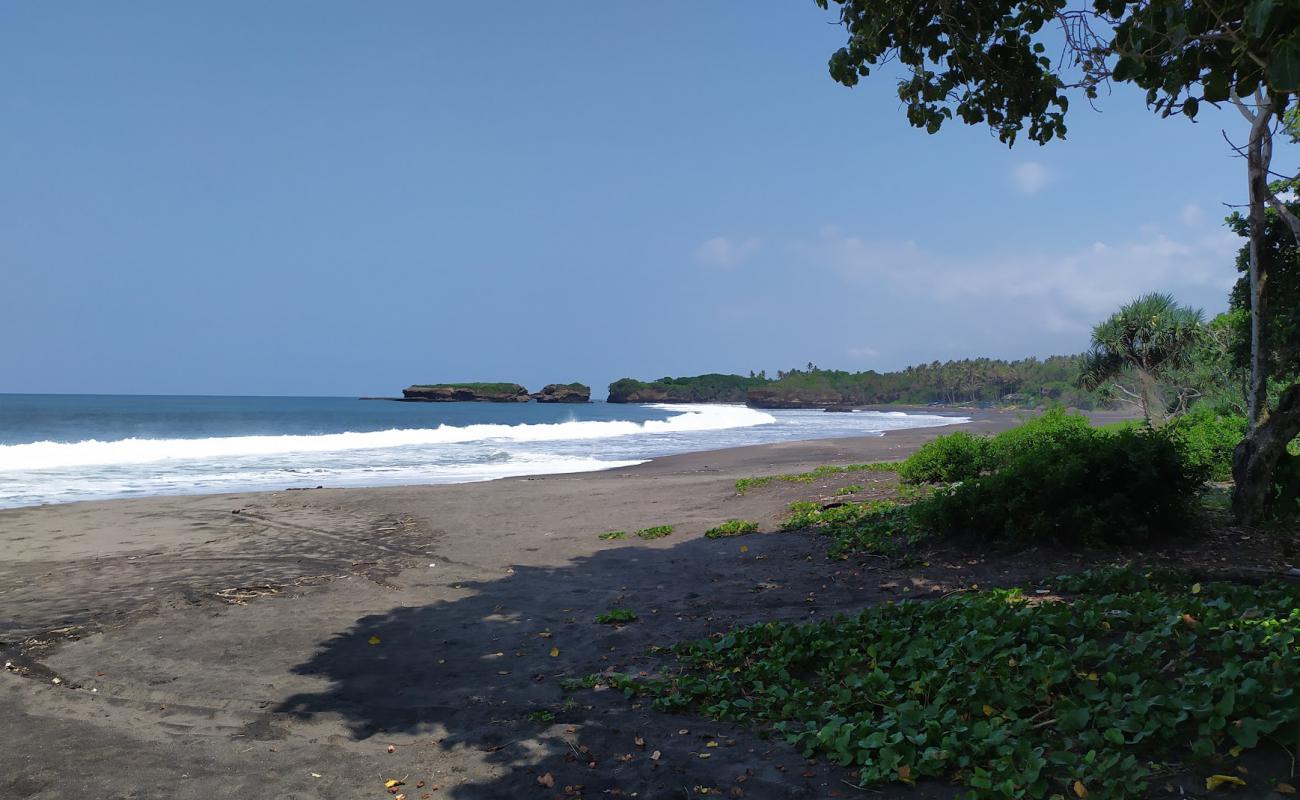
(63, 455)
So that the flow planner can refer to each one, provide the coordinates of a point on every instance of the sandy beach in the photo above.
(318, 643)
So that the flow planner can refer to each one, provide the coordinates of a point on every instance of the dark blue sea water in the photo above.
(60, 448)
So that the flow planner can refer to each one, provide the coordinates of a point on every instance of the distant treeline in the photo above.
(711, 388)
(1026, 382)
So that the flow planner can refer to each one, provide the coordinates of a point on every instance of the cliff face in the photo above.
(466, 393)
(787, 398)
(564, 393)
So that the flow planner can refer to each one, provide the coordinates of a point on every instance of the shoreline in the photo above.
(240, 644)
(561, 465)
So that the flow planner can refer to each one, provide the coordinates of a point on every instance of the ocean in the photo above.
(65, 448)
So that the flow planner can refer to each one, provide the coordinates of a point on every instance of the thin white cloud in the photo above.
(721, 251)
(863, 352)
(1063, 292)
(1192, 216)
(1030, 177)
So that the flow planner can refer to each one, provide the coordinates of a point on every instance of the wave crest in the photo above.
(92, 452)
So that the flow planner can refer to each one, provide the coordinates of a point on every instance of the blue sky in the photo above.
(344, 198)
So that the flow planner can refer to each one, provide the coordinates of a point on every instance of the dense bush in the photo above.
(1081, 487)
(960, 456)
(1205, 440)
(948, 459)
(1054, 429)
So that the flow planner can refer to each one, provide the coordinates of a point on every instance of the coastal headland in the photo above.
(319, 643)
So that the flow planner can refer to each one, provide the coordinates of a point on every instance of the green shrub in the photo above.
(1206, 440)
(956, 457)
(1129, 487)
(961, 456)
(610, 536)
(1055, 428)
(657, 532)
(732, 527)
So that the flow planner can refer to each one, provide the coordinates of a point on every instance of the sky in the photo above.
(305, 198)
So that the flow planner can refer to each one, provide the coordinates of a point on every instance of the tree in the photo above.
(991, 63)
(1277, 337)
(1151, 336)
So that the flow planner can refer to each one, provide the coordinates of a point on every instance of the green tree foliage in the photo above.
(1027, 382)
(1151, 336)
(1281, 323)
(710, 388)
(1002, 63)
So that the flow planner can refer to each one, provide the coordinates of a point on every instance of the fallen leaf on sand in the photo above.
(393, 782)
(744, 548)
(655, 755)
(1215, 781)
(546, 780)
(373, 640)
(639, 741)
(315, 774)
(400, 796)
(1285, 788)
(555, 651)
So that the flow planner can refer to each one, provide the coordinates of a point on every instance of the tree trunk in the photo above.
(1259, 151)
(1153, 403)
(1255, 459)
(1258, 454)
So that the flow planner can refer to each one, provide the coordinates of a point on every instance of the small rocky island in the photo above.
(465, 393)
(491, 393)
(564, 393)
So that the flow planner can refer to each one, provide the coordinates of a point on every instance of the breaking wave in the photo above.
(61, 455)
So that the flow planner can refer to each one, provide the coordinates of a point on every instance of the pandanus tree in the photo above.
(1149, 337)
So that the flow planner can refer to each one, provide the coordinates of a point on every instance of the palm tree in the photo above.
(1150, 335)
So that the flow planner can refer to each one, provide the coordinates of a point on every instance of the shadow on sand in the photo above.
(484, 673)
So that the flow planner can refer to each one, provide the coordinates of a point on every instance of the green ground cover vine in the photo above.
(826, 470)
(656, 532)
(1012, 695)
(732, 527)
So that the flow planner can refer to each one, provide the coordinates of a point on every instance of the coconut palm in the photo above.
(1151, 335)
